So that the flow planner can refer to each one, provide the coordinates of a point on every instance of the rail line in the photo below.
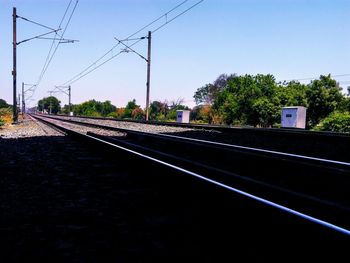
(294, 141)
(222, 128)
(288, 197)
(253, 149)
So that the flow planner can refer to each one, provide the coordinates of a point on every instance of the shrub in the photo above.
(335, 122)
(5, 116)
(138, 114)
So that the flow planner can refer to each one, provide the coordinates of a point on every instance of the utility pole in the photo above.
(23, 103)
(50, 111)
(64, 90)
(148, 60)
(15, 43)
(148, 74)
(69, 100)
(14, 71)
(18, 102)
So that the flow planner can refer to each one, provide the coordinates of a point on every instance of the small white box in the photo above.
(293, 117)
(183, 116)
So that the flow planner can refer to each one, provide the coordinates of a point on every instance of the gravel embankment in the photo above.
(26, 128)
(85, 129)
(131, 125)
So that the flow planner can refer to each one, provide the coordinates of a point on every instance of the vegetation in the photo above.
(3, 104)
(247, 100)
(5, 116)
(336, 121)
(258, 100)
(50, 105)
(5, 113)
(94, 108)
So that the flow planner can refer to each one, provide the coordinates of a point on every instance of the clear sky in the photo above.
(291, 39)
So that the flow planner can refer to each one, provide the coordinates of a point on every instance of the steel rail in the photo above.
(233, 146)
(246, 177)
(264, 201)
(222, 128)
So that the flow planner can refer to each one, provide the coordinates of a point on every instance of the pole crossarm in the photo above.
(32, 86)
(127, 48)
(36, 23)
(39, 36)
(58, 39)
(61, 89)
(68, 91)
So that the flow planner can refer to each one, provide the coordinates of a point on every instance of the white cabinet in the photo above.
(293, 117)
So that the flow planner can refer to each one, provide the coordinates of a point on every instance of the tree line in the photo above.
(246, 100)
(257, 100)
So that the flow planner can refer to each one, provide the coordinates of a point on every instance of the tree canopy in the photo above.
(3, 104)
(257, 100)
(94, 108)
(50, 104)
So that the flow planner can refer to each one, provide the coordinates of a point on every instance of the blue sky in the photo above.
(291, 39)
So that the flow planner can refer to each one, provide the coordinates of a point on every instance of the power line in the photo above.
(36, 23)
(312, 78)
(53, 54)
(159, 18)
(92, 67)
(167, 22)
(38, 36)
(86, 70)
(80, 75)
(53, 42)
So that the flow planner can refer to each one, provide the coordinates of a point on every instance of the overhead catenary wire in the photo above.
(185, 11)
(39, 36)
(53, 41)
(79, 76)
(87, 70)
(53, 54)
(93, 66)
(156, 20)
(36, 23)
(313, 78)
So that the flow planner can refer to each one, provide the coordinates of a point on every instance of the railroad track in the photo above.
(310, 143)
(311, 188)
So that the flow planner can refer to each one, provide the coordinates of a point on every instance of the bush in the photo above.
(5, 116)
(335, 122)
(138, 114)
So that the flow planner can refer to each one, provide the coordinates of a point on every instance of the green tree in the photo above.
(107, 107)
(242, 100)
(94, 108)
(292, 94)
(202, 114)
(335, 122)
(265, 112)
(207, 93)
(3, 104)
(138, 114)
(324, 96)
(158, 110)
(130, 106)
(50, 104)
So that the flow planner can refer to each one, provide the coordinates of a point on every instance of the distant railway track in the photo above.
(314, 189)
(295, 141)
(222, 128)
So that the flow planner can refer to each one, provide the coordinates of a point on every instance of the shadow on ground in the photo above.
(63, 202)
